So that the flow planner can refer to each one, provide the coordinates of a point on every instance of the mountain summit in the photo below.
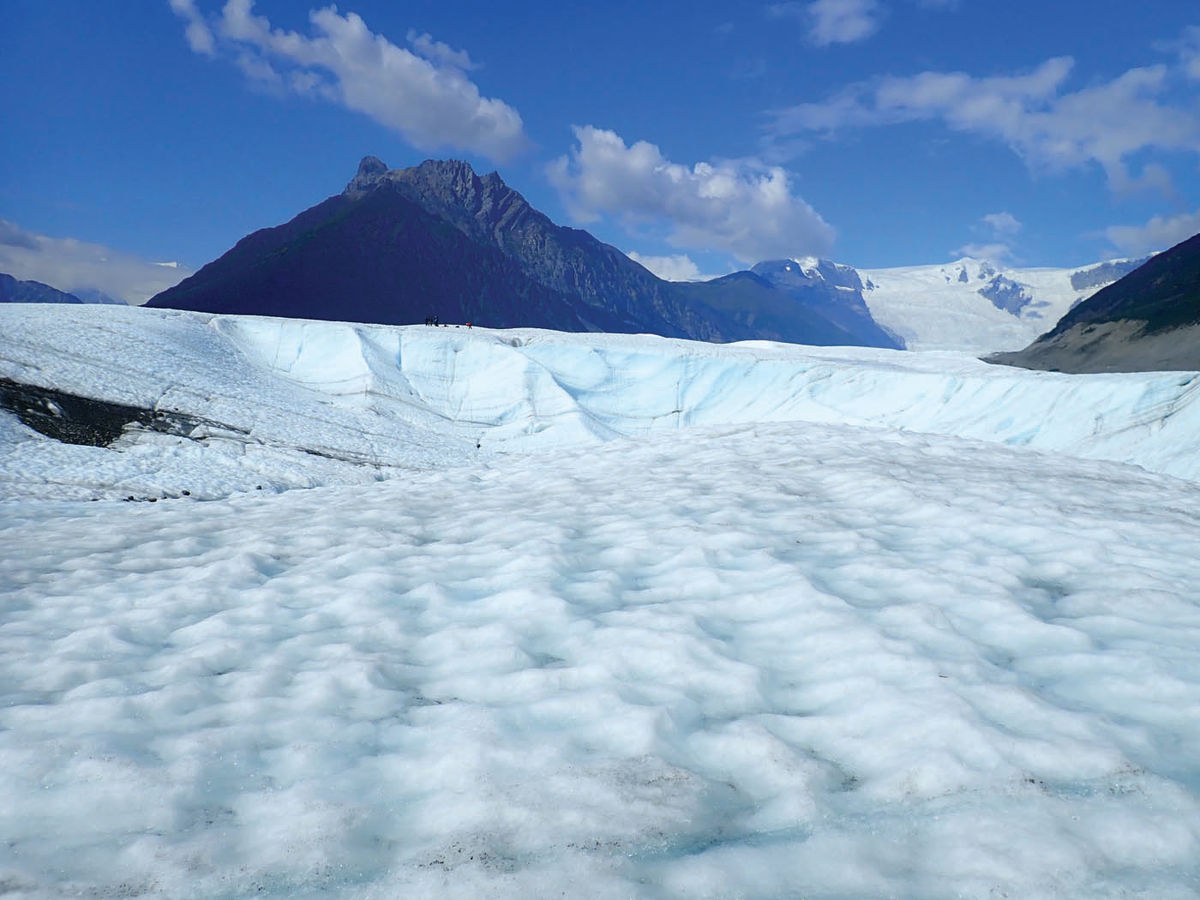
(398, 245)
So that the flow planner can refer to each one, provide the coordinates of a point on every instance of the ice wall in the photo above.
(317, 402)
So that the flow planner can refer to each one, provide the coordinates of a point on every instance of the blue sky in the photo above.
(876, 132)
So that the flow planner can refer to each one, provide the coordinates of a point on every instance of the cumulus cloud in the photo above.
(1002, 223)
(833, 21)
(679, 267)
(740, 207)
(72, 265)
(1051, 129)
(1160, 233)
(423, 94)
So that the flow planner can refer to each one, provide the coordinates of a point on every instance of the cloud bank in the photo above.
(72, 266)
(1051, 129)
(741, 207)
(423, 94)
(678, 267)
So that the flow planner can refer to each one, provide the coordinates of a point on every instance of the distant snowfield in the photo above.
(690, 621)
(940, 307)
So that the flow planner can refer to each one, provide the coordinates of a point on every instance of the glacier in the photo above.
(980, 306)
(592, 615)
(305, 403)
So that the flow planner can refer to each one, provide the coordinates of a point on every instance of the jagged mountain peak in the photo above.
(371, 166)
(370, 171)
(452, 175)
(443, 177)
(483, 207)
(454, 182)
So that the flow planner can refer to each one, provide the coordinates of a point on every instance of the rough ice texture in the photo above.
(754, 657)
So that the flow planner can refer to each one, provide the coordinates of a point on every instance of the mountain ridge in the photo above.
(437, 238)
(1149, 320)
(15, 290)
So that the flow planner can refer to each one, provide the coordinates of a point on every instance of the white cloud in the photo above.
(1190, 53)
(425, 96)
(1002, 223)
(1104, 124)
(13, 235)
(997, 252)
(436, 51)
(679, 267)
(72, 265)
(1160, 233)
(1187, 49)
(740, 207)
(843, 21)
(261, 73)
(833, 21)
(1000, 229)
(199, 35)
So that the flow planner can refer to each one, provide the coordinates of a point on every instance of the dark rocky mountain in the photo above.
(401, 244)
(834, 290)
(1149, 320)
(14, 291)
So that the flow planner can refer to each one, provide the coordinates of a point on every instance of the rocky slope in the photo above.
(1147, 321)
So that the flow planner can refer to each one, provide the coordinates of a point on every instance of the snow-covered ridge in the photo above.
(978, 306)
(301, 403)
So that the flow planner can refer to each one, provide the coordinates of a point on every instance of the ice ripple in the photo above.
(793, 659)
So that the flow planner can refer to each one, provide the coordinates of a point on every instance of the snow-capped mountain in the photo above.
(970, 305)
(979, 306)
(399, 245)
